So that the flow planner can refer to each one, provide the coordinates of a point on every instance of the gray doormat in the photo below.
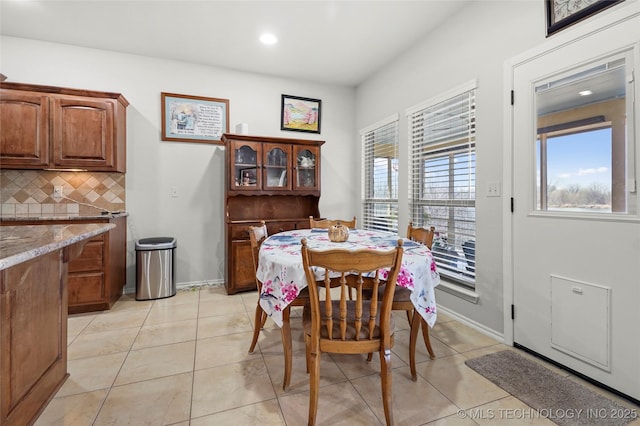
(555, 397)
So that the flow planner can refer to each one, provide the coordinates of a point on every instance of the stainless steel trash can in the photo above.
(155, 273)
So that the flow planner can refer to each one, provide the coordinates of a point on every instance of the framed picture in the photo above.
(300, 114)
(563, 13)
(194, 118)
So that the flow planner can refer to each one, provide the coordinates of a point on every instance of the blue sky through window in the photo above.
(581, 159)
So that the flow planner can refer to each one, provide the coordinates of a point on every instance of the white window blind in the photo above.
(380, 175)
(442, 135)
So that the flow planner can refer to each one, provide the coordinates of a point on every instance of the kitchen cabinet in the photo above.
(98, 275)
(33, 312)
(272, 179)
(45, 127)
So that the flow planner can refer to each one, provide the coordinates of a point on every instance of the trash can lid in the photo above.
(156, 243)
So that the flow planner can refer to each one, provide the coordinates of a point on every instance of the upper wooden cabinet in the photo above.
(273, 166)
(44, 127)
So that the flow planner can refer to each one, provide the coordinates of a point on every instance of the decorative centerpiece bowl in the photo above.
(338, 233)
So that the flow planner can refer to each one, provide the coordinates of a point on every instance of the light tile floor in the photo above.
(183, 361)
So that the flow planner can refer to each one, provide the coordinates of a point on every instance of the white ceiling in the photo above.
(338, 42)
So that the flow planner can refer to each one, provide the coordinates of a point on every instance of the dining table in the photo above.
(283, 277)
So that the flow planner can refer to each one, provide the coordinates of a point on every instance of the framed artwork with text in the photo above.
(194, 118)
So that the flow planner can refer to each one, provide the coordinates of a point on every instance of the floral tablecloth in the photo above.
(282, 275)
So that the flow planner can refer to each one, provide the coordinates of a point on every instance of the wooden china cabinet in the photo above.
(272, 179)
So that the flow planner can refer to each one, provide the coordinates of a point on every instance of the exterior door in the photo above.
(575, 234)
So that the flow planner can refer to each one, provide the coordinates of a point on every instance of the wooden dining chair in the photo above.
(326, 223)
(338, 325)
(401, 299)
(257, 234)
(402, 302)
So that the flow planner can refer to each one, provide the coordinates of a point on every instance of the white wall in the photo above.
(196, 217)
(472, 45)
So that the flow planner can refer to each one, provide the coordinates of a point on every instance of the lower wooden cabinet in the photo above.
(240, 271)
(33, 358)
(96, 277)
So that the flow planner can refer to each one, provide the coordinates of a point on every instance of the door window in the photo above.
(584, 163)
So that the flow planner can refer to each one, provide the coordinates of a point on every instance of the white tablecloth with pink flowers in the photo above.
(282, 275)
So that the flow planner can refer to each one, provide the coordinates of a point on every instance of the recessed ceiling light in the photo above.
(585, 93)
(268, 39)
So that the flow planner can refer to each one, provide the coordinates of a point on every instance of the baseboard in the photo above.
(473, 324)
(196, 284)
(183, 286)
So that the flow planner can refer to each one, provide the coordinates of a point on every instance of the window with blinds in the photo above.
(442, 135)
(380, 175)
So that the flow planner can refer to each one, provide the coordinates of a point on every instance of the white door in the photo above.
(576, 219)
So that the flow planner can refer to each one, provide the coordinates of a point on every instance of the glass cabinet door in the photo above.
(306, 167)
(277, 165)
(246, 166)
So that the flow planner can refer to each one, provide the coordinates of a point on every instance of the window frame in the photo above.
(455, 261)
(387, 134)
(621, 125)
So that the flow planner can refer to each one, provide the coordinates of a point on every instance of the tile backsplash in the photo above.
(29, 192)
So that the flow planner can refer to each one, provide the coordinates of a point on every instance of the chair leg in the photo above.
(314, 385)
(307, 353)
(386, 382)
(413, 338)
(286, 346)
(257, 325)
(425, 336)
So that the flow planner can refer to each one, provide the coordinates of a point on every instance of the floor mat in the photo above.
(555, 397)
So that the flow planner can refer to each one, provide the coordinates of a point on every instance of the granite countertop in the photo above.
(65, 216)
(19, 244)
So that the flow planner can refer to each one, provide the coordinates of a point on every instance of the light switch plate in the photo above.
(493, 189)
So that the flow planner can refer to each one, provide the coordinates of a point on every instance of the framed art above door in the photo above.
(563, 13)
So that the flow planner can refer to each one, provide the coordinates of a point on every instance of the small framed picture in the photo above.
(194, 118)
(300, 114)
(563, 13)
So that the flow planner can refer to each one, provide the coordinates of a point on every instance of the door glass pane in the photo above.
(245, 166)
(306, 169)
(277, 168)
(579, 171)
(581, 146)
